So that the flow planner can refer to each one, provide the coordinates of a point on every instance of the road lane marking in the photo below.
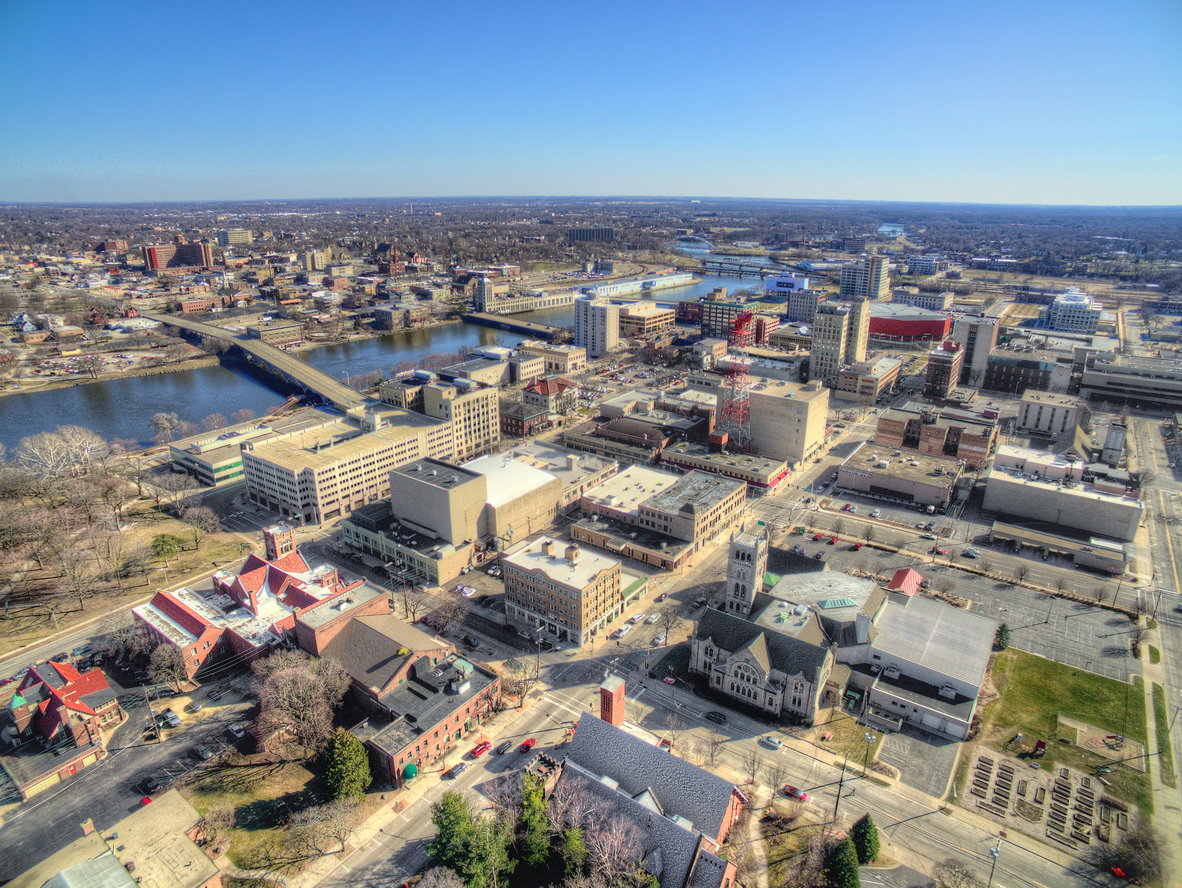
(1169, 543)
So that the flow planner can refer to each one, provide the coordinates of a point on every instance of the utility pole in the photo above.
(840, 784)
(995, 851)
(151, 714)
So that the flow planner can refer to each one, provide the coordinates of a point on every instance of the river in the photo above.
(121, 408)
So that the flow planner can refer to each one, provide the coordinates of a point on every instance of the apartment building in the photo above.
(943, 370)
(597, 325)
(235, 236)
(830, 337)
(166, 258)
(570, 594)
(867, 278)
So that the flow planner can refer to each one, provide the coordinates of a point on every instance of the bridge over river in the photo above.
(281, 363)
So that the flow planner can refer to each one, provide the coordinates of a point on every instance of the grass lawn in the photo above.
(1162, 721)
(848, 737)
(1154, 655)
(1033, 693)
(783, 844)
(674, 664)
(262, 795)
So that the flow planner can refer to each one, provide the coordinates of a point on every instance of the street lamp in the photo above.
(870, 738)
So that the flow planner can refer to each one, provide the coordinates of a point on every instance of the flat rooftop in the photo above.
(947, 640)
(697, 491)
(758, 465)
(625, 492)
(556, 567)
(1080, 492)
(379, 517)
(911, 466)
(508, 478)
(1049, 399)
(572, 467)
(795, 391)
(340, 441)
(437, 473)
(623, 535)
(214, 445)
(835, 595)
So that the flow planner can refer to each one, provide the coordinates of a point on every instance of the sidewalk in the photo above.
(1165, 798)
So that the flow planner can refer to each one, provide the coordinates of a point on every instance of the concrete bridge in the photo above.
(740, 268)
(283, 364)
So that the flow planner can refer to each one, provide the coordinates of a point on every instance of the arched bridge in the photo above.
(281, 363)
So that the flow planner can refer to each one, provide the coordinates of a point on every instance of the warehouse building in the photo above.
(902, 477)
(1064, 502)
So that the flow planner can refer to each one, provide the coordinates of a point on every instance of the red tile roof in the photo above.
(180, 613)
(555, 386)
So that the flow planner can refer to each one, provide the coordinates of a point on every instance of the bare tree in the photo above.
(838, 525)
(714, 745)
(165, 424)
(752, 763)
(1060, 584)
(213, 421)
(868, 533)
(80, 578)
(945, 585)
(673, 727)
(440, 877)
(1100, 593)
(450, 613)
(986, 564)
(201, 520)
(168, 665)
(293, 701)
(613, 848)
(129, 640)
(322, 829)
(670, 620)
(1021, 571)
(265, 667)
(243, 415)
(520, 676)
(776, 774)
(413, 602)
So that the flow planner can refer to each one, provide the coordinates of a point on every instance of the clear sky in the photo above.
(1044, 101)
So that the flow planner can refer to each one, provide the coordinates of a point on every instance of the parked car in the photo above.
(469, 640)
(659, 639)
(652, 618)
(194, 706)
(59, 658)
(215, 695)
(662, 597)
(546, 645)
(971, 553)
(855, 547)
(171, 718)
(817, 537)
(874, 513)
(793, 793)
(202, 753)
(846, 507)
(455, 771)
(853, 509)
(936, 550)
(480, 749)
(715, 716)
(927, 536)
(504, 747)
(832, 541)
(527, 745)
(771, 742)
(636, 618)
(151, 785)
(820, 556)
(236, 731)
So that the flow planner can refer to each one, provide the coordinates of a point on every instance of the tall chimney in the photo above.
(611, 701)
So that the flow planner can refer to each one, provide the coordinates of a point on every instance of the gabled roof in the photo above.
(180, 613)
(803, 654)
(683, 789)
(555, 385)
(57, 689)
(373, 649)
(906, 580)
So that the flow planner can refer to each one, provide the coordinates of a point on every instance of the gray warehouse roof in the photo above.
(945, 639)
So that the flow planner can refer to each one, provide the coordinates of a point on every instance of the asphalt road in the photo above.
(111, 789)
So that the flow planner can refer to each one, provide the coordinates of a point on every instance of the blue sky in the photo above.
(1001, 102)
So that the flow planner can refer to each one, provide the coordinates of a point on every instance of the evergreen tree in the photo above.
(1001, 641)
(841, 869)
(347, 774)
(574, 850)
(865, 838)
(453, 831)
(535, 824)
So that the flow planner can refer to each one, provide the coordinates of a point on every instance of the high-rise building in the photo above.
(943, 372)
(858, 333)
(1074, 312)
(599, 234)
(597, 325)
(978, 337)
(867, 277)
(233, 236)
(830, 337)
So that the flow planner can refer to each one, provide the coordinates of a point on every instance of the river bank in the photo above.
(35, 384)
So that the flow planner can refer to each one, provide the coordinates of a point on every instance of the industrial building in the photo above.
(1044, 413)
(945, 433)
(903, 477)
(1053, 494)
(571, 595)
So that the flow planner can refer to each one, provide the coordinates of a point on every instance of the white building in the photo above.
(597, 325)
(1075, 312)
(923, 265)
(786, 283)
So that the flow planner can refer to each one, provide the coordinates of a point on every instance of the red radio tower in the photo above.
(736, 408)
(742, 333)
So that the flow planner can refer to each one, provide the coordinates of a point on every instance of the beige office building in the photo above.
(569, 594)
(562, 360)
(830, 335)
(787, 419)
(473, 413)
(858, 332)
(332, 470)
(645, 319)
(867, 277)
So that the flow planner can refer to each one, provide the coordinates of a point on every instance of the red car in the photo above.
(857, 546)
(832, 541)
(793, 793)
(846, 507)
(480, 749)
(936, 550)
(817, 537)
(527, 745)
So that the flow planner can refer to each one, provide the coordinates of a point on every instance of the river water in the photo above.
(121, 408)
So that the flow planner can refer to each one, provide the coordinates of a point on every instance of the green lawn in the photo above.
(1162, 722)
(1034, 691)
(1154, 655)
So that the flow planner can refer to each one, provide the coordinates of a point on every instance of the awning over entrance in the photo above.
(410, 771)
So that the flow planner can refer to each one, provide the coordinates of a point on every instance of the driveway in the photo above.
(924, 762)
